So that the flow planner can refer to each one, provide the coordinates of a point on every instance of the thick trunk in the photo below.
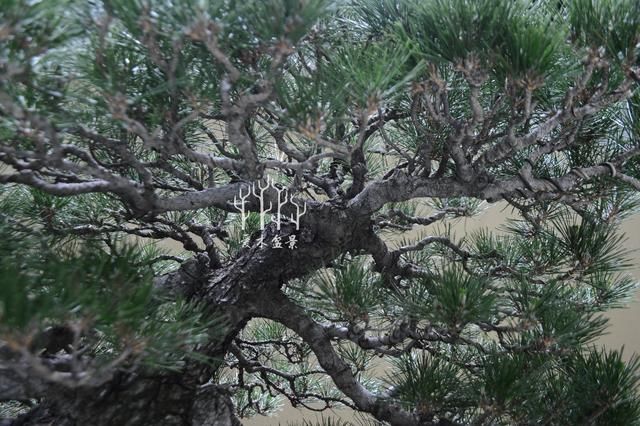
(234, 292)
(132, 400)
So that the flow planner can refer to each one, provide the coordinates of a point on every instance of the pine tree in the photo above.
(288, 147)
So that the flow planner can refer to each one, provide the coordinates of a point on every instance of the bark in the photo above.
(248, 287)
(251, 284)
(237, 293)
(279, 308)
(135, 400)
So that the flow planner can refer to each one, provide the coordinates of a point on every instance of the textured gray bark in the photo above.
(237, 292)
(250, 284)
(246, 288)
(164, 400)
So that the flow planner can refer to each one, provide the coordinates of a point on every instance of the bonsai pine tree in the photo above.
(308, 157)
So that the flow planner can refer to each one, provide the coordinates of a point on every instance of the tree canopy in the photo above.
(308, 157)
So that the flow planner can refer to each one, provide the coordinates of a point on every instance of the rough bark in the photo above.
(135, 400)
(250, 285)
(236, 293)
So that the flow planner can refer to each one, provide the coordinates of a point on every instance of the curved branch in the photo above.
(279, 308)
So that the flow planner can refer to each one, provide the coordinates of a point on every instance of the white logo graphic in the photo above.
(240, 202)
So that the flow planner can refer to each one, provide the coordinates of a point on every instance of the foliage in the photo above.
(104, 294)
(135, 136)
(351, 289)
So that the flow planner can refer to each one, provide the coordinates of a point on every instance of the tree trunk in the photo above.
(234, 293)
(135, 400)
